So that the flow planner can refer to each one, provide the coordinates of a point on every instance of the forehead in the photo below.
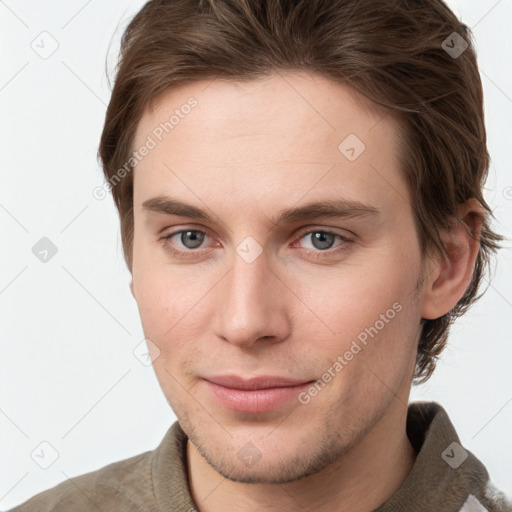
(277, 131)
(282, 102)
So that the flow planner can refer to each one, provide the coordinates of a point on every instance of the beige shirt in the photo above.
(445, 477)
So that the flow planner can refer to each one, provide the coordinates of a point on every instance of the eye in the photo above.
(190, 240)
(323, 240)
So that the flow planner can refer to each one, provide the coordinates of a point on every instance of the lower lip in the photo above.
(257, 400)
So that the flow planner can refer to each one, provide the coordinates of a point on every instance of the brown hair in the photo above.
(392, 52)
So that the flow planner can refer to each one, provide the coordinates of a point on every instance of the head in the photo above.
(267, 116)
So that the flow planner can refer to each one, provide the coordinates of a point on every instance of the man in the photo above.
(299, 185)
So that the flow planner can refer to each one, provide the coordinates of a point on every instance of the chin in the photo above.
(271, 465)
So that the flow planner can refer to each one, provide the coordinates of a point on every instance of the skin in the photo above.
(246, 152)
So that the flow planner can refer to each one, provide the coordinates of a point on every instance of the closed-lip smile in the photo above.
(256, 394)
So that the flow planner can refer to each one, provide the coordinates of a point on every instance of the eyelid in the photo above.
(332, 231)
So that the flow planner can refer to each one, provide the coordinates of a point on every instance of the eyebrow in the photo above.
(331, 208)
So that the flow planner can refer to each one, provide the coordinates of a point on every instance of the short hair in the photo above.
(392, 52)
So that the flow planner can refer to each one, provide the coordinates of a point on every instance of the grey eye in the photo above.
(322, 240)
(191, 239)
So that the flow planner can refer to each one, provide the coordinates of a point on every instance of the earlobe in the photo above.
(450, 273)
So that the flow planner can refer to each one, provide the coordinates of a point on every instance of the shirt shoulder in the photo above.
(445, 475)
(124, 485)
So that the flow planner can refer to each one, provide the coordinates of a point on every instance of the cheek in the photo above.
(172, 309)
(345, 302)
(372, 315)
(157, 288)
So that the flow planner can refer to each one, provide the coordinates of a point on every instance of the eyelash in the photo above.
(315, 254)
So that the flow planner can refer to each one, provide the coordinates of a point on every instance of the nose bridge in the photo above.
(250, 304)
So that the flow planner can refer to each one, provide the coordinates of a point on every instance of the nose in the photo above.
(252, 304)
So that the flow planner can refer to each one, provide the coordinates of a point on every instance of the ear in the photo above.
(449, 275)
(131, 288)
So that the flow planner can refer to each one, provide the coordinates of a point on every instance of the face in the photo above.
(262, 283)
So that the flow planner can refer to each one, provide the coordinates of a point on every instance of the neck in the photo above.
(366, 476)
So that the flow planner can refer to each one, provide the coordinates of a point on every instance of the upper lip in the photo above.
(262, 382)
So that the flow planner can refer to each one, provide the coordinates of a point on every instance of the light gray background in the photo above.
(69, 326)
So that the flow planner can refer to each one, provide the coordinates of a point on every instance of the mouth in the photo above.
(256, 395)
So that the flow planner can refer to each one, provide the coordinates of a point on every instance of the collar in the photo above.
(444, 476)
